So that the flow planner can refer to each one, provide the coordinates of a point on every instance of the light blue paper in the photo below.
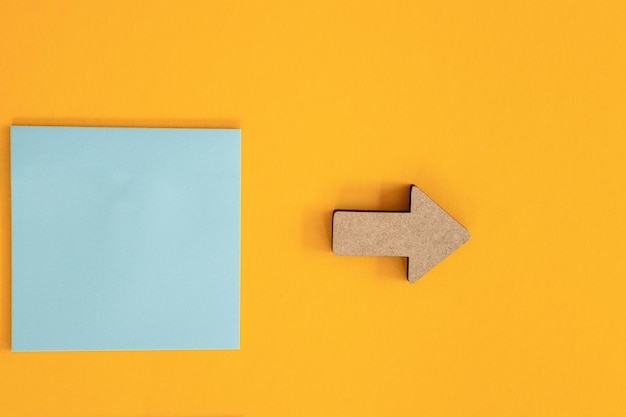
(125, 238)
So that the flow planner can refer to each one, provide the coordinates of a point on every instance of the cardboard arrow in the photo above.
(426, 234)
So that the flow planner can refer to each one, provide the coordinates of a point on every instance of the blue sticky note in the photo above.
(125, 238)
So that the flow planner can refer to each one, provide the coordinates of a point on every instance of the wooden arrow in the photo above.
(425, 235)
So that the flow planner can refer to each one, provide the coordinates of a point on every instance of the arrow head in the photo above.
(437, 235)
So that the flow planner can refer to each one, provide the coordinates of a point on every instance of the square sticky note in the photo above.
(125, 238)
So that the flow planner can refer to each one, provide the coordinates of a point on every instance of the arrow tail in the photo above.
(370, 233)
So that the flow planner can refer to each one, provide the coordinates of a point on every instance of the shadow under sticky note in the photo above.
(125, 238)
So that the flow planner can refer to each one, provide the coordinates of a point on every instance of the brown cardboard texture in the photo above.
(426, 234)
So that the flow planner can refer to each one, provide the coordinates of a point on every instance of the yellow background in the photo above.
(511, 115)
